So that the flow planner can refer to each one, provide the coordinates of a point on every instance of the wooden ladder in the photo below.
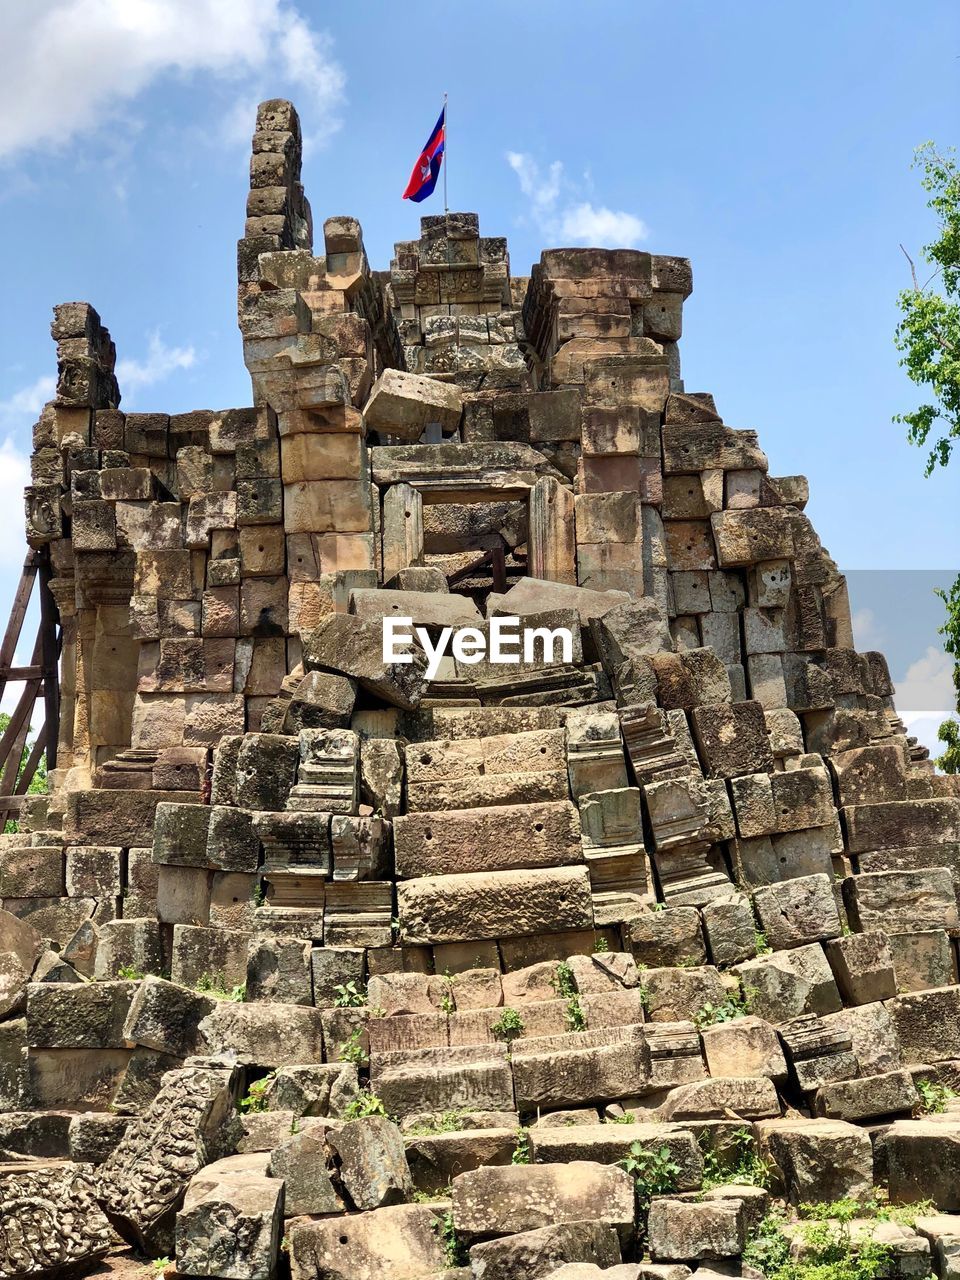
(41, 676)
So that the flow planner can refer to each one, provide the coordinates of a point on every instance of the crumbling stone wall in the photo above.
(694, 879)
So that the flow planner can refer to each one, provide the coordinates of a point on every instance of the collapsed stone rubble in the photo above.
(313, 960)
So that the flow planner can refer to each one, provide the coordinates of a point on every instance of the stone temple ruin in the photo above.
(311, 963)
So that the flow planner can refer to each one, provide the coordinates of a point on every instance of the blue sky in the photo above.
(769, 143)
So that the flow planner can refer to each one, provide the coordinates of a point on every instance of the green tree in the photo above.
(38, 783)
(928, 339)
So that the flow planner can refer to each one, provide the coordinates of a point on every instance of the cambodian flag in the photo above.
(427, 169)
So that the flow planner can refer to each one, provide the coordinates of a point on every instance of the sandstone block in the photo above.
(456, 908)
(504, 1201)
(400, 1241)
(498, 838)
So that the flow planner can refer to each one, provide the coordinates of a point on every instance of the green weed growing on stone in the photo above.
(454, 1248)
(654, 1173)
(760, 944)
(352, 1050)
(215, 985)
(255, 1099)
(364, 1103)
(349, 995)
(130, 973)
(508, 1026)
(738, 1161)
(521, 1152)
(565, 985)
(732, 1006)
(933, 1097)
(829, 1249)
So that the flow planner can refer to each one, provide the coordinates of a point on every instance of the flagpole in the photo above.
(446, 149)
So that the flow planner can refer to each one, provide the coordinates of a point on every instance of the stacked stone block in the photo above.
(688, 886)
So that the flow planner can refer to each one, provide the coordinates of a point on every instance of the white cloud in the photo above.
(160, 360)
(28, 401)
(70, 66)
(867, 632)
(568, 222)
(14, 477)
(927, 688)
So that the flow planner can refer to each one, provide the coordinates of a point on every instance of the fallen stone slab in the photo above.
(435, 1159)
(166, 1017)
(748, 1098)
(744, 1047)
(867, 1097)
(611, 1143)
(923, 1161)
(52, 1224)
(527, 1197)
(264, 1035)
(373, 1163)
(300, 1160)
(902, 901)
(538, 1253)
(404, 404)
(476, 1078)
(537, 595)
(580, 1067)
(400, 1242)
(681, 1230)
(817, 1160)
(346, 645)
(927, 1024)
(142, 1182)
(231, 1221)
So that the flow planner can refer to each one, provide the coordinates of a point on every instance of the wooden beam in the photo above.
(50, 642)
(21, 602)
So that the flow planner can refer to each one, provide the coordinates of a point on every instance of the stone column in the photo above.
(402, 529)
(553, 547)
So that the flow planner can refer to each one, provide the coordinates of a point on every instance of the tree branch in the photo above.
(913, 269)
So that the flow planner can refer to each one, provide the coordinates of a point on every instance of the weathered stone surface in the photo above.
(166, 1017)
(400, 1241)
(817, 1160)
(436, 1158)
(265, 1035)
(78, 1015)
(923, 1162)
(52, 1224)
(681, 1230)
(478, 905)
(751, 1098)
(498, 838)
(540, 1252)
(789, 983)
(902, 901)
(927, 1024)
(373, 1164)
(525, 1198)
(143, 1179)
(230, 1223)
(867, 1097)
(578, 1067)
(301, 1161)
